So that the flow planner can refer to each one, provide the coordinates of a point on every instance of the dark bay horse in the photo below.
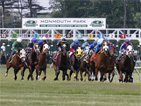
(84, 66)
(32, 60)
(101, 62)
(42, 64)
(61, 63)
(126, 65)
(74, 63)
(17, 63)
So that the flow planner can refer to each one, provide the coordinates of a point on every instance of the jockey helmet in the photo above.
(100, 35)
(34, 40)
(40, 42)
(76, 41)
(19, 40)
(127, 41)
(86, 43)
(63, 39)
(44, 38)
(95, 42)
(111, 43)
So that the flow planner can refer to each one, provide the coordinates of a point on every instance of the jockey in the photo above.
(30, 45)
(59, 44)
(16, 45)
(100, 42)
(42, 42)
(123, 49)
(74, 46)
(93, 45)
(86, 47)
(59, 47)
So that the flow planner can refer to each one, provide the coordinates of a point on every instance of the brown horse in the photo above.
(74, 63)
(101, 62)
(84, 67)
(42, 64)
(32, 60)
(17, 63)
(110, 68)
(126, 65)
(61, 63)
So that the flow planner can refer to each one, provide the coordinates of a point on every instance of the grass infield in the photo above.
(66, 93)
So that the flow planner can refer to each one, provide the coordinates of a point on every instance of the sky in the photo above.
(44, 3)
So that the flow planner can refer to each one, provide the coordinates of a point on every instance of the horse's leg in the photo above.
(126, 77)
(57, 73)
(85, 76)
(29, 75)
(77, 71)
(113, 74)
(8, 67)
(22, 72)
(105, 77)
(15, 74)
(96, 72)
(101, 78)
(39, 74)
(33, 67)
(120, 76)
(89, 74)
(70, 74)
(44, 74)
(67, 75)
(64, 73)
(81, 77)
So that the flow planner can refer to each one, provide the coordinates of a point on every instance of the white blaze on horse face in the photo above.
(105, 47)
(22, 55)
(129, 50)
(45, 46)
(37, 48)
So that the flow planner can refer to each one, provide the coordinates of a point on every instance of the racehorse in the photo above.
(74, 63)
(84, 67)
(101, 62)
(126, 65)
(61, 63)
(42, 64)
(32, 60)
(110, 68)
(17, 63)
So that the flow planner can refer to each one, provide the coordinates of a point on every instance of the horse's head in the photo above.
(105, 46)
(64, 49)
(45, 48)
(129, 50)
(78, 52)
(36, 48)
(112, 50)
(22, 55)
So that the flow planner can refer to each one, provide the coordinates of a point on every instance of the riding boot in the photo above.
(120, 57)
(134, 58)
(26, 64)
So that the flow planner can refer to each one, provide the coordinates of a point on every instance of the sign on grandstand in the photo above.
(64, 23)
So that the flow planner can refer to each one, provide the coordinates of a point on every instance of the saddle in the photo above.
(10, 61)
(95, 57)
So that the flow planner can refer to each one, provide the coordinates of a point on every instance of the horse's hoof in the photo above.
(39, 77)
(55, 79)
(96, 79)
(6, 74)
(81, 79)
(22, 79)
(15, 78)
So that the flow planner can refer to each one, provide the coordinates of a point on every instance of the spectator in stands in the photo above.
(3, 51)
